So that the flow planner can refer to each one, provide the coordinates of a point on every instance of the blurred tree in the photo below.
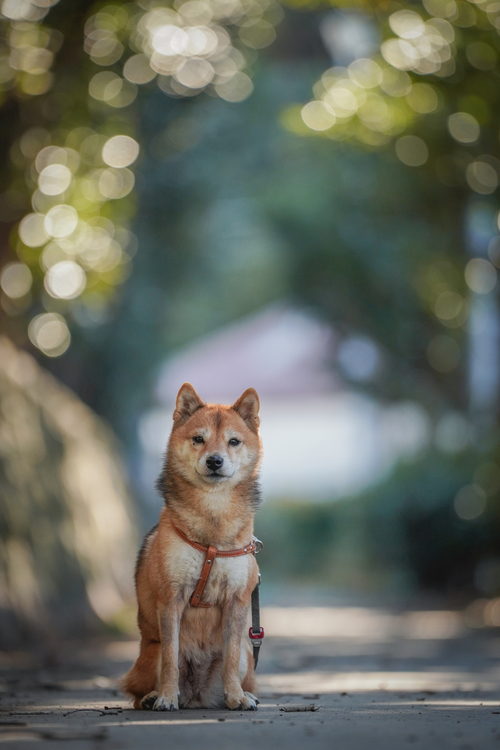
(236, 210)
(71, 247)
(385, 241)
(428, 96)
(67, 527)
(70, 79)
(427, 528)
(434, 75)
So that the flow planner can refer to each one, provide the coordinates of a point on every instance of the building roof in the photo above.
(279, 351)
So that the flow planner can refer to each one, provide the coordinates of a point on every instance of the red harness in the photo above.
(210, 554)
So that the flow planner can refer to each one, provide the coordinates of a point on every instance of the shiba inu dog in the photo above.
(193, 653)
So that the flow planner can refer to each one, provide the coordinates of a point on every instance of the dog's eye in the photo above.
(234, 442)
(198, 440)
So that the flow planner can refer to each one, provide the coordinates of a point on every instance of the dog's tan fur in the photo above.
(198, 657)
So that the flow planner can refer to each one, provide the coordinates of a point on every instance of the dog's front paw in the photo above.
(164, 703)
(245, 701)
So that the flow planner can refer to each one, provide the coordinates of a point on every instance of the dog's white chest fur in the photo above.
(228, 573)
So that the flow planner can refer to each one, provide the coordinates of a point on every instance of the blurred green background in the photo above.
(301, 197)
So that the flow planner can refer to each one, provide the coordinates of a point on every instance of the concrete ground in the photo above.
(379, 679)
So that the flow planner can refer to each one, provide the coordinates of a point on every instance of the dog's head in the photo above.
(212, 444)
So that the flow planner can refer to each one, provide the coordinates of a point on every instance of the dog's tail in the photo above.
(142, 678)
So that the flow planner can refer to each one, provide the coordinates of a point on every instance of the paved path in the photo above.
(379, 681)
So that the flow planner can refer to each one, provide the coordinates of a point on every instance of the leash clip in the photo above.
(256, 638)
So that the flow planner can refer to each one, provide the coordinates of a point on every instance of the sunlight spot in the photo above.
(65, 280)
(49, 333)
(16, 280)
(120, 151)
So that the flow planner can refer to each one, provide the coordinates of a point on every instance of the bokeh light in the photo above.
(422, 98)
(449, 305)
(195, 47)
(395, 82)
(32, 230)
(470, 502)
(423, 47)
(138, 70)
(61, 221)
(480, 276)
(318, 116)
(463, 127)
(65, 280)
(412, 150)
(365, 73)
(120, 151)
(234, 87)
(482, 177)
(54, 179)
(195, 73)
(49, 333)
(116, 183)
(16, 280)
(441, 8)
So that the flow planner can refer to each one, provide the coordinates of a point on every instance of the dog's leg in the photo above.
(169, 618)
(233, 622)
(247, 669)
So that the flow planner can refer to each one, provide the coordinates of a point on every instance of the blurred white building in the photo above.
(322, 438)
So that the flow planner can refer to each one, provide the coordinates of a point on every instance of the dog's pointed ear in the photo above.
(187, 402)
(248, 406)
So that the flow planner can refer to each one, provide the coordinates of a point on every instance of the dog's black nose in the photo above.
(214, 462)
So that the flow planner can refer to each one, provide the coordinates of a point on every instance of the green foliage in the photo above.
(429, 98)
(404, 535)
(368, 272)
(385, 247)
(298, 538)
(71, 79)
(73, 248)
(432, 90)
